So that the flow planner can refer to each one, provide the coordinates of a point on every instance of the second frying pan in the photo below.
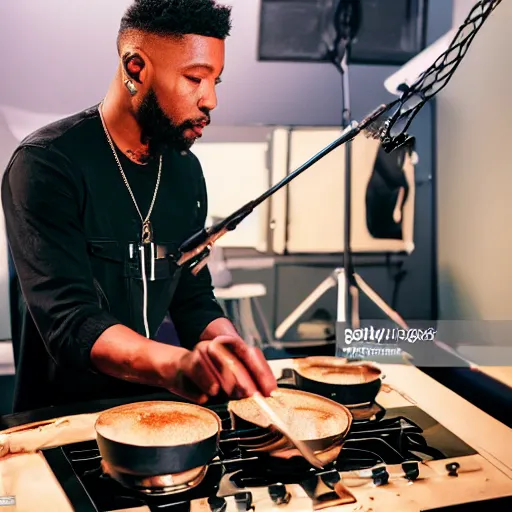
(334, 378)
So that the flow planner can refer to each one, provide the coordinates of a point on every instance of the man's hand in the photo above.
(204, 372)
(241, 370)
(233, 368)
(192, 376)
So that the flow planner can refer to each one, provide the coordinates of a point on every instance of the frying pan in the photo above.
(157, 437)
(232, 372)
(335, 378)
(317, 421)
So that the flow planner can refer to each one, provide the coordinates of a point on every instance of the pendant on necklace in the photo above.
(147, 232)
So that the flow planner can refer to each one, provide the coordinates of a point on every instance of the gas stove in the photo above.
(381, 445)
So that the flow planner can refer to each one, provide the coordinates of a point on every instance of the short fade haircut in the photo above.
(176, 18)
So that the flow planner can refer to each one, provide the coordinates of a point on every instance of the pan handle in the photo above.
(38, 425)
(386, 388)
(287, 378)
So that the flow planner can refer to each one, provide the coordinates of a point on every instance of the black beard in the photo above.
(158, 131)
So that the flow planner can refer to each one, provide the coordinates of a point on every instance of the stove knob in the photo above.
(217, 504)
(243, 501)
(411, 470)
(452, 468)
(330, 478)
(380, 476)
(279, 494)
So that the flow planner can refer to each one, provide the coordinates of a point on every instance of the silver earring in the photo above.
(131, 87)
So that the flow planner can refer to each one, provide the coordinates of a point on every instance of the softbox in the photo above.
(390, 32)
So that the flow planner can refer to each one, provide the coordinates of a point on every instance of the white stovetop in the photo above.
(485, 475)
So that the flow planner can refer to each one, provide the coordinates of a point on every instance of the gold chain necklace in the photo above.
(147, 228)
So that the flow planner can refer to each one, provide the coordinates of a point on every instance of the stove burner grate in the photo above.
(371, 444)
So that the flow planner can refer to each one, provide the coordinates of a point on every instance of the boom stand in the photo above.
(392, 134)
(347, 281)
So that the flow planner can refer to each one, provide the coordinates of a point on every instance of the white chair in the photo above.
(238, 300)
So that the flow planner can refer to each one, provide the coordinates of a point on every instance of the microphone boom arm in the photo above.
(435, 78)
(391, 133)
(196, 249)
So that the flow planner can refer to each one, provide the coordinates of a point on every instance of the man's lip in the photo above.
(198, 130)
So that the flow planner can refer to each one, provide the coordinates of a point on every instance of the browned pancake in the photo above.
(349, 374)
(308, 416)
(157, 424)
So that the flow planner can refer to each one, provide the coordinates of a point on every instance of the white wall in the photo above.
(475, 178)
(62, 56)
(461, 9)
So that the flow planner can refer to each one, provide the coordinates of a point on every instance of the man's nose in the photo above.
(208, 100)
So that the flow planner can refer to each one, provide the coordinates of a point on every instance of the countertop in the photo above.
(502, 374)
(27, 476)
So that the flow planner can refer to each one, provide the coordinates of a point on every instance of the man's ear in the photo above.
(135, 66)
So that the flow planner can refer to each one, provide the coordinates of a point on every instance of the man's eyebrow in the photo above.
(208, 67)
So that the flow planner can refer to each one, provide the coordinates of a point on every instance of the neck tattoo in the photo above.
(140, 156)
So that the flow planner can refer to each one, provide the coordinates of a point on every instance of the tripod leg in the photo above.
(253, 337)
(341, 315)
(354, 300)
(325, 285)
(372, 295)
(401, 322)
(354, 292)
(266, 328)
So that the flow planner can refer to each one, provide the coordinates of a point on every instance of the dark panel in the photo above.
(306, 30)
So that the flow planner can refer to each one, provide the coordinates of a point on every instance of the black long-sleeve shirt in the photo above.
(74, 235)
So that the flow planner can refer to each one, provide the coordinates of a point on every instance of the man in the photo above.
(96, 206)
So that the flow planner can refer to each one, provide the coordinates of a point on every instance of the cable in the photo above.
(145, 290)
(152, 261)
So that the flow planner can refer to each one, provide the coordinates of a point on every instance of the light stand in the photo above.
(347, 281)
(350, 287)
(346, 24)
(392, 134)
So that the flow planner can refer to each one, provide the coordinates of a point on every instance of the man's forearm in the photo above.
(124, 354)
(219, 327)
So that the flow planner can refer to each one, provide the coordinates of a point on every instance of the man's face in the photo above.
(177, 106)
